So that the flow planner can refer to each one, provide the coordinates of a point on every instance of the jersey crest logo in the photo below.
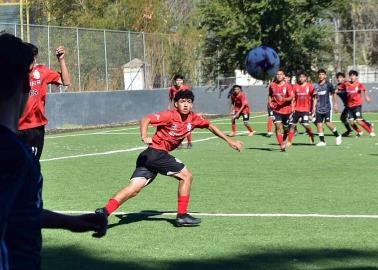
(356, 89)
(157, 116)
(284, 91)
(174, 127)
(189, 127)
(36, 74)
(307, 90)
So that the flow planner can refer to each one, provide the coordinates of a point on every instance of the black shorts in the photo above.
(344, 115)
(302, 116)
(153, 161)
(245, 117)
(281, 118)
(33, 137)
(355, 113)
(323, 117)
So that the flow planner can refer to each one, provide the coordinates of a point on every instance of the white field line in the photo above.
(121, 129)
(115, 151)
(289, 215)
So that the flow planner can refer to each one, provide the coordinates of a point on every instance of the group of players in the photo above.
(304, 102)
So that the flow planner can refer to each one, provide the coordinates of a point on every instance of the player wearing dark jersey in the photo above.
(303, 107)
(280, 102)
(21, 212)
(171, 128)
(173, 90)
(344, 117)
(356, 92)
(33, 121)
(323, 91)
(240, 107)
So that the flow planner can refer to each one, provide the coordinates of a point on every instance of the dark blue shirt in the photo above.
(20, 204)
(343, 95)
(323, 92)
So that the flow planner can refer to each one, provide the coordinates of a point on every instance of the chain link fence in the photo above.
(107, 60)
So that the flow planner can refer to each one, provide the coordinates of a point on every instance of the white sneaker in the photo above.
(339, 140)
(269, 134)
(372, 134)
(321, 144)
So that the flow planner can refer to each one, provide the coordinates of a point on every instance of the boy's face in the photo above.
(179, 82)
(280, 76)
(353, 77)
(237, 90)
(340, 79)
(184, 105)
(302, 78)
(322, 76)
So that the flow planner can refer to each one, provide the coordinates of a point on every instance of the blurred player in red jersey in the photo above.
(172, 127)
(31, 126)
(280, 101)
(240, 107)
(356, 92)
(173, 90)
(303, 107)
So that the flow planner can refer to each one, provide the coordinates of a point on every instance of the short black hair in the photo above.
(322, 70)
(33, 48)
(178, 76)
(15, 60)
(302, 72)
(353, 72)
(340, 74)
(281, 71)
(236, 86)
(184, 94)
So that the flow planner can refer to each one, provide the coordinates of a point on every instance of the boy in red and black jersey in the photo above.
(173, 90)
(32, 123)
(280, 101)
(355, 92)
(240, 107)
(303, 107)
(171, 128)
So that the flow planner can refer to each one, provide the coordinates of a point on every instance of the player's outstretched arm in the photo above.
(367, 97)
(81, 223)
(237, 145)
(144, 130)
(60, 53)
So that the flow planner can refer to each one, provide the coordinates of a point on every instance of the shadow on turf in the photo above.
(331, 259)
(147, 215)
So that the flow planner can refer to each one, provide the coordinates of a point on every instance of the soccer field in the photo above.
(258, 207)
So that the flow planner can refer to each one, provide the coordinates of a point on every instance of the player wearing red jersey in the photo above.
(173, 90)
(303, 107)
(280, 101)
(240, 107)
(172, 127)
(31, 126)
(356, 92)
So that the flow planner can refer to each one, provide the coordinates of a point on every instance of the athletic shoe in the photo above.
(346, 133)
(338, 140)
(359, 134)
(189, 146)
(103, 213)
(250, 134)
(372, 134)
(321, 144)
(283, 147)
(269, 134)
(232, 134)
(186, 220)
(288, 144)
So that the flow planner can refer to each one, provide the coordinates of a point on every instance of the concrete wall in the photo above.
(69, 110)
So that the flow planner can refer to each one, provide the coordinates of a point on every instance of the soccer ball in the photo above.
(262, 63)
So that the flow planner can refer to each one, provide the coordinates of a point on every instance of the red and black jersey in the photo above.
(171, 129)
(238, 100)
(34, 113)
(303, 95)
(354, 93)
(275, 91)
(174, 89)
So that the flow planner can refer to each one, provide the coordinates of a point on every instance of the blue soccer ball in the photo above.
(262, 63)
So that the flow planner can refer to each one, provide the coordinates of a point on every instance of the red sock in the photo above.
(189, 138)
(279, 138)
(365, 126)
(270, 124)
(356, 128)
(182, 206)
(250, 128)
(233, 128)
(112, 205)
(291, 136)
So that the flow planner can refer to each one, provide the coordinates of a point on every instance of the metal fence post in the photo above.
(15, 30)
(354, 49)
(49, 51)
(163, 56)
(106, 63)
(126, 88)
(144, 59)
(78, 57)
